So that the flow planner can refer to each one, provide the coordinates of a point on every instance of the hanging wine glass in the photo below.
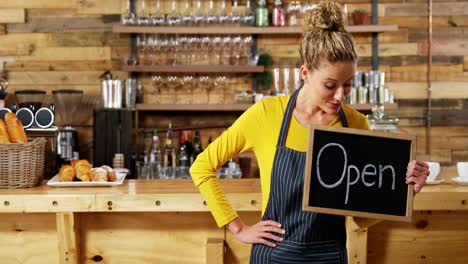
(128, 18)
(174, 18)
(143, 18)
(158, 18)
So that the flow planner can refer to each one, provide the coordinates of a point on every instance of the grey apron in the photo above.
(310, 237)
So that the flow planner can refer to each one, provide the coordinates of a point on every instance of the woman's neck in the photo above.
(308, 112)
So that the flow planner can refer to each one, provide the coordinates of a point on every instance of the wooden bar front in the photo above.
(167, 221)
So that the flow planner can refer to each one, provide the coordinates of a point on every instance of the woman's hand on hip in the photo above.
(260, 233)
(417, 173)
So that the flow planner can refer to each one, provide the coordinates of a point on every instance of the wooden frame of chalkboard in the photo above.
(405, 202)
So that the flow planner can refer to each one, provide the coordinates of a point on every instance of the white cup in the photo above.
(434, 170)
(463, 170)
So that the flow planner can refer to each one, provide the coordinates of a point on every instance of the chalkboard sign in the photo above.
(358, 173)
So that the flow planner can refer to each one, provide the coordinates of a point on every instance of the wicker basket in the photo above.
(22, 165)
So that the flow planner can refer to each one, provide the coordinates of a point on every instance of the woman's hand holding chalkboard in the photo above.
(260, 233)
(417, 173)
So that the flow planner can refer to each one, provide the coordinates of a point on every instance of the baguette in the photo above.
(3, 133)
(15, 129)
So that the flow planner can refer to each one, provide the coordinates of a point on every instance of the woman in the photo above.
(276, 129)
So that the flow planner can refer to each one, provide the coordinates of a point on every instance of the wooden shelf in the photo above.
(368, 107)
(194, 68)
(229, 107)
(118, 28)
(194, 107)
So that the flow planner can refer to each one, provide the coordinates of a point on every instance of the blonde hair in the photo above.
(325, 37)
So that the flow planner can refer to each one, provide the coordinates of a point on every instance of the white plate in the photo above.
(434, 182)
(55, 182)
(460, 181)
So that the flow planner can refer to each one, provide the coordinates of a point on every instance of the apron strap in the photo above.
(287, 119)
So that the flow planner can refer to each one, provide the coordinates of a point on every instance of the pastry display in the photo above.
(80, 170)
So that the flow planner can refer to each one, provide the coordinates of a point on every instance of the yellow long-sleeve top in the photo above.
(257, 129)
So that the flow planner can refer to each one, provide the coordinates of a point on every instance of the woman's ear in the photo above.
(304, 72)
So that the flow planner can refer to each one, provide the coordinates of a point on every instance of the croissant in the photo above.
(99, 175)
(83, 170)
(15, 129)
(3, 133)
(66, 173)
(110, 173)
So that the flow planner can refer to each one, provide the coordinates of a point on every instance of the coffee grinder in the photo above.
(67, 102)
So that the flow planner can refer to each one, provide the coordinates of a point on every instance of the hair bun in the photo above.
(327, 16)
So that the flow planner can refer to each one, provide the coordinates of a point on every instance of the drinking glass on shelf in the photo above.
(174, 18)
(143, 17)
(235, 54)
(199, 18)
(128, 17)
(200, 90)
(187, 18)
(226, 51)
(141, 49)
(215, 50)
(222, 14)
(205, 49)
(276, 81)
(235, 13)
(164, 49)
(245, 50)
(248, 17)
(184, 90)
(211, 17)
(172, 83)
(157, 18)
(157, 83)
(183, 55)
(172, 52)
(220, 84)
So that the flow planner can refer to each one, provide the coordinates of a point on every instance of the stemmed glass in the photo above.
(212, 18)
(205, 49)
(185, 92)
(141, 49)
(235, 17)
(222, 13)
(143, 18)
(174, 18)
(226, 51)
(187, 17)
(199, 17)
(157, 83)
(158, 18)
(235, 46)
(249, 16)
(128, 17)
(215, 50)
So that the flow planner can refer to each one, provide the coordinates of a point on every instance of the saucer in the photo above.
(460, 181)
(434, 182)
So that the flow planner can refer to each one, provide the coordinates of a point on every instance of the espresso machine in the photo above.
(67, 102)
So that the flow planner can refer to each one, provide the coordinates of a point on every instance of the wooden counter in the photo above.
(167, 221)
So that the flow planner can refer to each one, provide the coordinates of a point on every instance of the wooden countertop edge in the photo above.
(143, 196)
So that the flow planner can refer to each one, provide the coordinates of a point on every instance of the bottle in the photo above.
(277, 16)
(169, 156)
(155, 157)
(183, 161)
(197, 147)
(261, 13)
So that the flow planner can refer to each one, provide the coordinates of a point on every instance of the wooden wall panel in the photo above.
(12, 15)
